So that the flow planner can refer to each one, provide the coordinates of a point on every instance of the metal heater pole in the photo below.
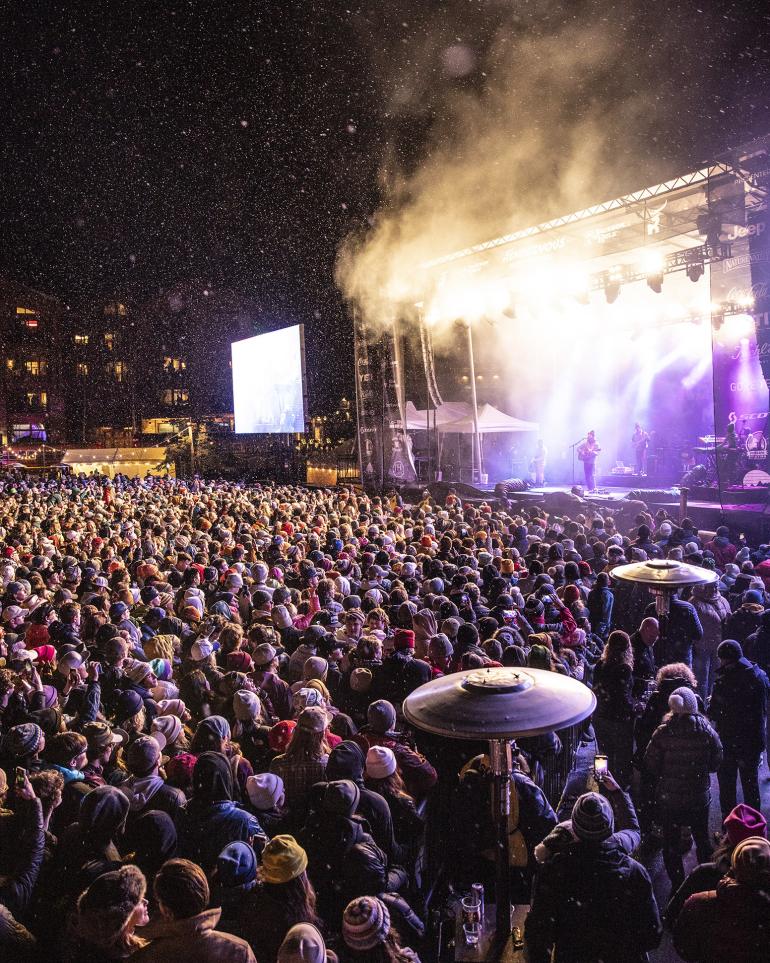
(476, 467)
(500, 757)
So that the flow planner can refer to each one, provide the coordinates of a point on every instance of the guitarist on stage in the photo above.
(587, 453)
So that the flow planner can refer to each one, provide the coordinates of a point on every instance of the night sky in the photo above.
(239, 142)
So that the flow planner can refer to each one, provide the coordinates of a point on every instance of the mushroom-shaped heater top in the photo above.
(498, 703)
(663, 577)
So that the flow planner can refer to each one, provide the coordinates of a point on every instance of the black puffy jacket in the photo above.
(738, 707)
(682, 754)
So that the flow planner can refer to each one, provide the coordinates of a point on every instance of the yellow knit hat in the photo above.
(283, 859)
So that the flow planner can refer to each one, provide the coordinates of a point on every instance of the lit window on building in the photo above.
(36, 367)
(115, 310)
(82, 370)
(37, 399)
(109, 340)
(174, 364)
(32, 431)
(81, 339)
(28, 316)
(10, 364)
(175, 396)
(118, 370)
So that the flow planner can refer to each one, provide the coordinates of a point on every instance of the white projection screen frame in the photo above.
(269, 383)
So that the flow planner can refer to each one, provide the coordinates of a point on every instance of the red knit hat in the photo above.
(743, 822)
(280, 735)
(403, 639)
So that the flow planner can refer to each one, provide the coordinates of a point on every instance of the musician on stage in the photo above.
(587, 453)
(538, 463)
(640, 440)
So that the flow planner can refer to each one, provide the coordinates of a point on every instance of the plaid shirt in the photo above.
(298, 777)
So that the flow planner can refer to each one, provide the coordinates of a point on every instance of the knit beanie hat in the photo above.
(172, 707)
(751, 861)
(313, 718)
(179, 770)
(365, 923)
(265, 791)
(23, 739)
(247, 705)
(280, 735)
(137, 671)
(315, 668)
(403, 639)
(361, 680)
(381, 716)
(744, 822)
(170, 727)
(128, 704)
(239, 662)
(730, 650)
(280, 617)
(104, 908)
(683, 701)
(283, 859)
(380, 762)
(161, 669)
(237, 867)
(592, 818)
(201, 650)
(306, 697)
(302, 944)
(264, 654)
(539, 657)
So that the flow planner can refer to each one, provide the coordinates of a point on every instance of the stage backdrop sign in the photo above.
(384, 454)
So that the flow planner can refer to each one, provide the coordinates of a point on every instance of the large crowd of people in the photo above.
(203, 753)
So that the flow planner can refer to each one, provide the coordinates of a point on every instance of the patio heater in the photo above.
(663, 577)
(499, 705)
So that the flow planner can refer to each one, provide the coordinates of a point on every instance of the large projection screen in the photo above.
(269, 382)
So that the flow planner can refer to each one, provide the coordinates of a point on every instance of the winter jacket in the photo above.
(22, 857)
(194, 940)
(723, 551)
(738, 707)
(151, 792)
(343, 861)
(600, 603)
(655, 710)
(684, 630)
(744, 622)
(418, 774)
(592, 902)
(346, 761)
(712, 613)
(613, 688)
(703, 878)
(757, 647)
(682, 754)
(731, 923)
(204, 829)
(263, 920)
(400, 675)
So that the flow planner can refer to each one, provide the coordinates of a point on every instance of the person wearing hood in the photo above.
(713, 611)
(90, 846)
(343, 859)
(738, 709)
(600, 602)
(680, 758)
(211, 819)
(145, 788)
(684, 630)
(187, 929)
(347, 761)
(721, 547)
(150, 840)
(305, 944)
(746, 619)
(584, 889)
(731, 922)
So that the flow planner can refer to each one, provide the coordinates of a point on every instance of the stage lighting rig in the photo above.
(655, 282)
(611, 291)
(710, 226)
(695, 271)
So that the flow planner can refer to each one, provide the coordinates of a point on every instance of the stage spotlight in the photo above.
(717, 320)
(611, 291)
(655, 282)
(695, 270)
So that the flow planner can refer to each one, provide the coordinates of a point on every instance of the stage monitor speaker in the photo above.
(510, 486)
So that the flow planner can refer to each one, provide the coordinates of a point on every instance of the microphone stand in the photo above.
(573, 447)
